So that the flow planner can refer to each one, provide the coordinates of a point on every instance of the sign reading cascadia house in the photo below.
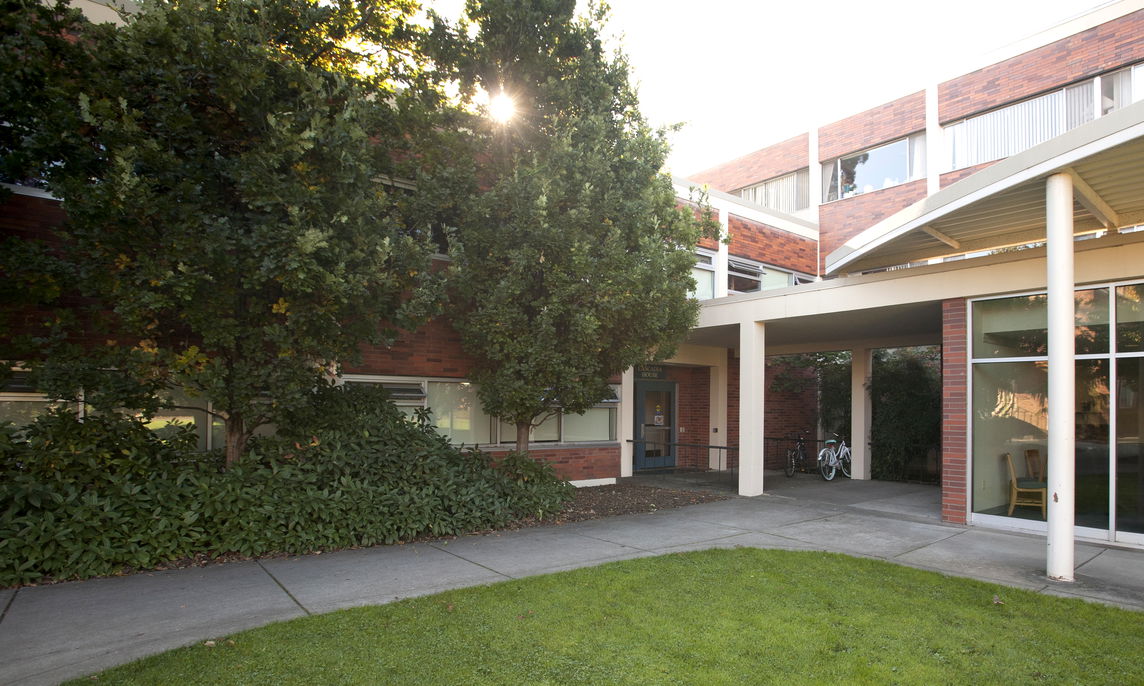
(650, 372)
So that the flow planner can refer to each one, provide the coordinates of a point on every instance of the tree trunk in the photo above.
(235, 438)
(522, 429)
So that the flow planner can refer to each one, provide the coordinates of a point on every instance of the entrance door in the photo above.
(655, 425)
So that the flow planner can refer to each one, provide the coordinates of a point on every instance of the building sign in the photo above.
(651, 372)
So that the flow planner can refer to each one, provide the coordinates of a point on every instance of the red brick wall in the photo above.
(841, 220)
(953, 177)
(1083, 55)
(432, 350)
(757, 241)
(954, 413)
(775, 160)
(693, 401)
(887, 122)
(578, 462)
(24, 216)
(788, 413)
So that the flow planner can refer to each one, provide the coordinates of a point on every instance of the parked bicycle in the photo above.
(834, 457)
(796, 457)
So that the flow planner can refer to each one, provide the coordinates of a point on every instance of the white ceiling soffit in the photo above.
(1004, 205)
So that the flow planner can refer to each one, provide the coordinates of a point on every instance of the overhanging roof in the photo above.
(1004, 205)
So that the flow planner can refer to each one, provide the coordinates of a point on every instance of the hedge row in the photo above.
(91, 498)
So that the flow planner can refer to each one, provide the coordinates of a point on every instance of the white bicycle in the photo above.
(833, 458)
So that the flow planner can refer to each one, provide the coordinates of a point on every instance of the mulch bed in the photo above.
(597, 502)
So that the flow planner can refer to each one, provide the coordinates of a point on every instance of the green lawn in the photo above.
(740, 616)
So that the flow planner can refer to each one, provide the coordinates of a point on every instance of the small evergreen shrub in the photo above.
(93, 497)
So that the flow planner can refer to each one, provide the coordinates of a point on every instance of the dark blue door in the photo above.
(655, 425)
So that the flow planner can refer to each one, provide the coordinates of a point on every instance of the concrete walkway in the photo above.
(52, 633)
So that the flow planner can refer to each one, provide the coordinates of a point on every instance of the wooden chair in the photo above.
(1029, 491)
(1033, 465)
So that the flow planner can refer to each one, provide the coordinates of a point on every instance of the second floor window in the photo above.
(874, 169)
(787, 193)
(1014, 128)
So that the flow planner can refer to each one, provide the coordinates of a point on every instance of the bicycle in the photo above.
(834, 457)
(796, 457)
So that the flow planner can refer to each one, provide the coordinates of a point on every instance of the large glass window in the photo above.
(1130, 445)
(874, 169)
(1010, 407)
(1130, 319)
(457, 413)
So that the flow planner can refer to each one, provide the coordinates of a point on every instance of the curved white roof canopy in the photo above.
(1004, 204)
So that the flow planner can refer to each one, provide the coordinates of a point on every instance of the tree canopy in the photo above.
(573, 262)
(237, 179)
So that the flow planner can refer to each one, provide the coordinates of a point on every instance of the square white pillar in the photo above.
(626, 420)
(1060, 555)
(752, 383)
(717, 415)
(861, 366)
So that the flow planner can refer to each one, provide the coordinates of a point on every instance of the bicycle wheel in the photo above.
(826, 463)
(790, 457)
(844, 461)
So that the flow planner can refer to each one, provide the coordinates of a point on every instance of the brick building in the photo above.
(996, 213)
(988, 213)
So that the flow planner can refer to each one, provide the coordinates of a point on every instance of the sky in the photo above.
(743, 74)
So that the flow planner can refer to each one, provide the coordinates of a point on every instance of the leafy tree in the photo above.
(233, 174)
(905, 393)
(573, 261)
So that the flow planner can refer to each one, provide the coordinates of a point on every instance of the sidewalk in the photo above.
(52, 633)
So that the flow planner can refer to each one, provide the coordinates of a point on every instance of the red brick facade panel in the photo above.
(432, 350)
(693, 404)
(1080, 56)
(841, 220)
(954, 413)
(788, 412)
(775, 160)
(882, 124)
(757, 241)
(950, 178)
(575, 463)
(24, 216)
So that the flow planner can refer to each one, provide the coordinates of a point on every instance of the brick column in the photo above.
(954, 412)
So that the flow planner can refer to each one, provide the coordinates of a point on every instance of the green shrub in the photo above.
(93, 497)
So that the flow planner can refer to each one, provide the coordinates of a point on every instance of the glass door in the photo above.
(655, 425)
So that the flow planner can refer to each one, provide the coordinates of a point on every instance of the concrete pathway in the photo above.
(52, 633)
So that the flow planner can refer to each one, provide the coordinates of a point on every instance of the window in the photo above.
(704, 274)
(20, 402)
(455, 410)
(787, 193)
(887, 165)
(1009, 130)
(748, 277)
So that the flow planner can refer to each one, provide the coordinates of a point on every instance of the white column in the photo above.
(1062, 377)
(815, 176)
(752, 381)
(626, 420)
(861, 364)
(719, 262)
(717, 415)
(935, 148)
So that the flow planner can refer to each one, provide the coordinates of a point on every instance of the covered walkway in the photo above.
(922, 501)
